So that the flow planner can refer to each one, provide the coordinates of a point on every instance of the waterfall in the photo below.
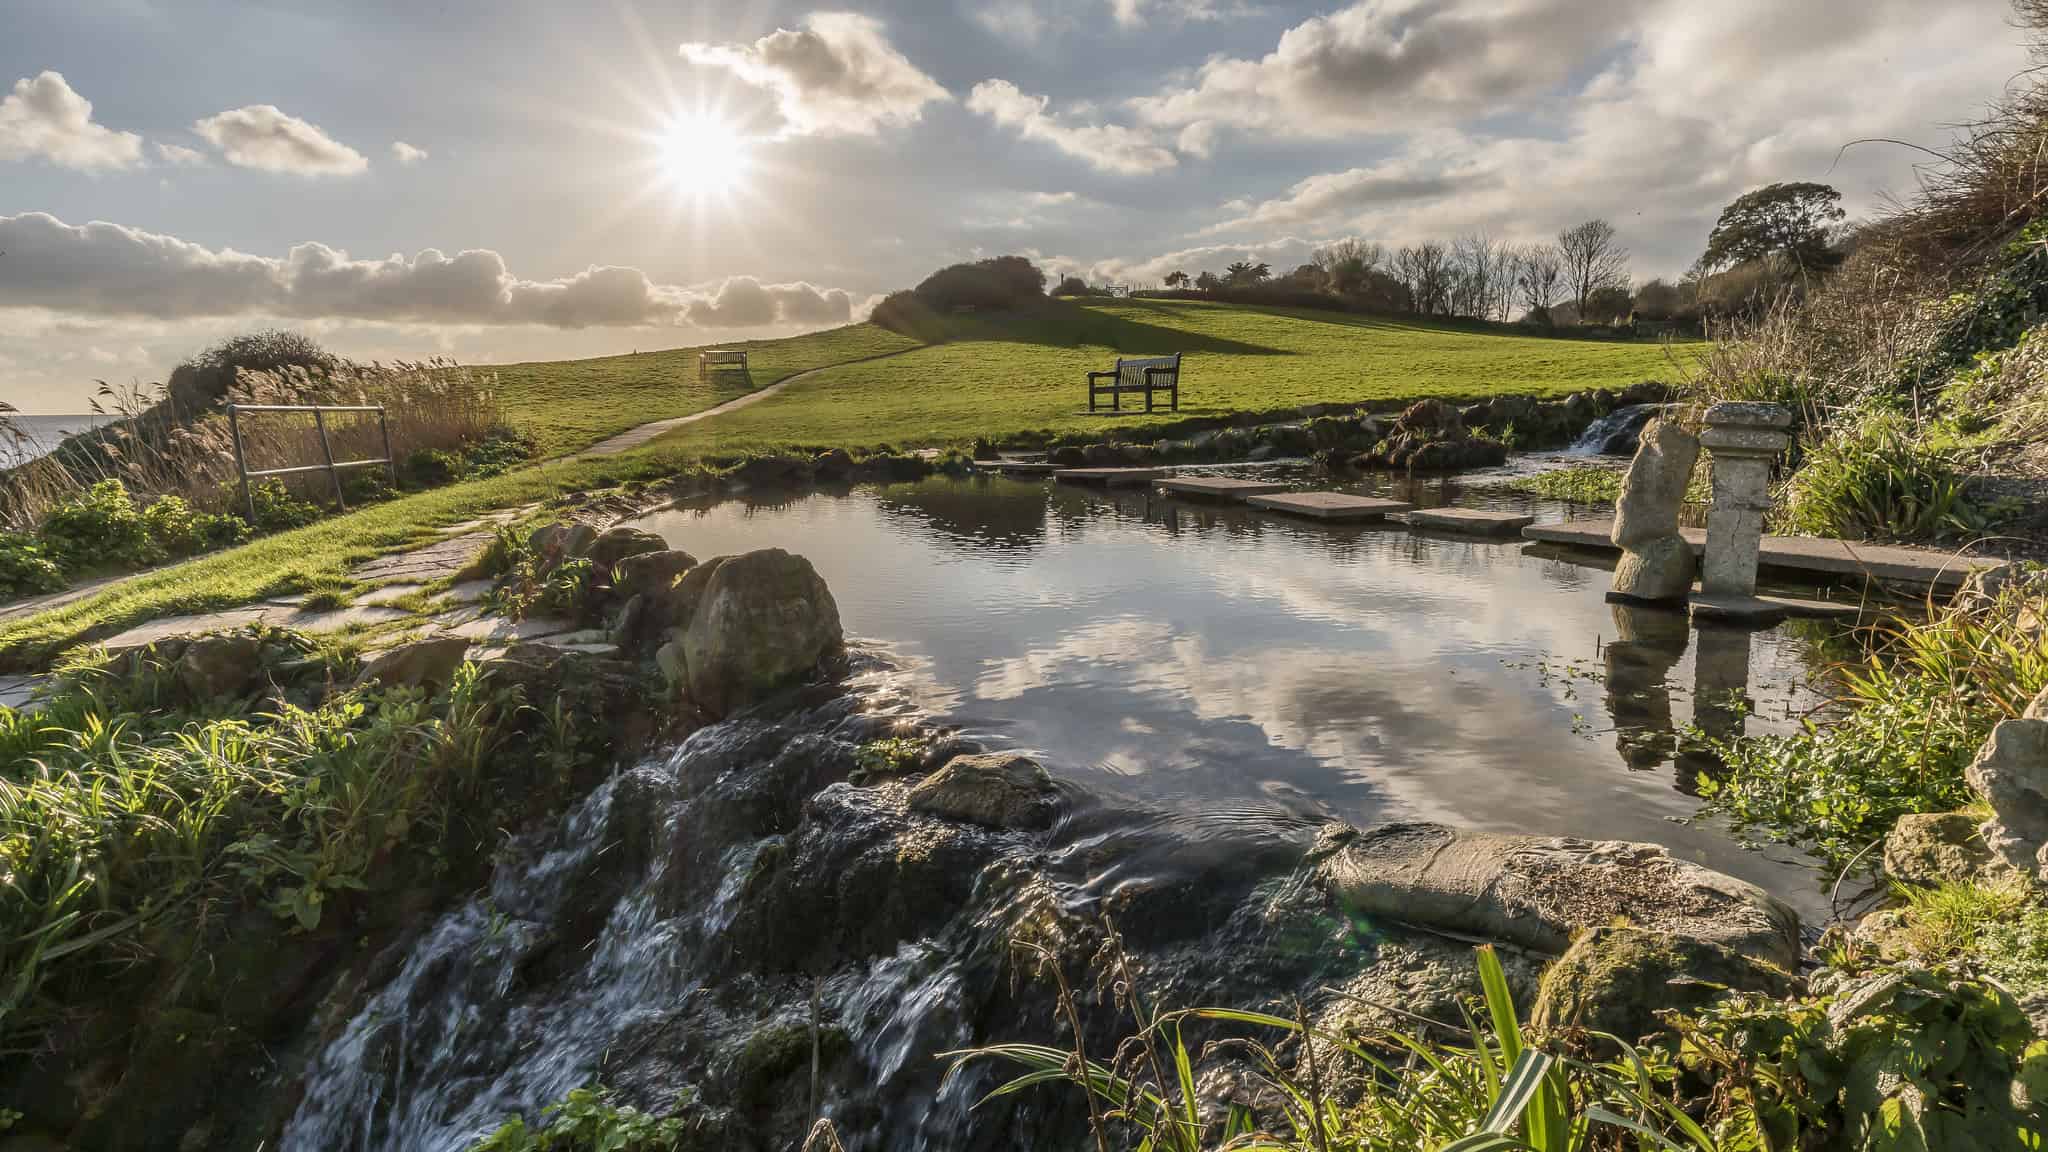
(1616, 433)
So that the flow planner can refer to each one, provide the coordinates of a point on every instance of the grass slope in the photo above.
(1012, 374)
(568, 405)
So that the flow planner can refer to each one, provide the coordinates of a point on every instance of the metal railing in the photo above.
(332, 467)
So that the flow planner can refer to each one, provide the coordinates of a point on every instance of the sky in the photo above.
(506, 180)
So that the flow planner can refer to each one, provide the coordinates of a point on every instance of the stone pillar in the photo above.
(1743, 439)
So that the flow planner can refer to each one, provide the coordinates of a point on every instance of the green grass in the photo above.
(567, 405)
(1579, 484)
(1020, 373)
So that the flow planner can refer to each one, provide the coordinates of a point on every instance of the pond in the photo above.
(1253, 675)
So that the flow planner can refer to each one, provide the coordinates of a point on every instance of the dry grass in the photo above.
(432, 405)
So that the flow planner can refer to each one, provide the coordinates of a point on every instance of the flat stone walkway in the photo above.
(1330, 505)
(1220, 487)
(1114, 477)
(1470, 521)
(1921, 566)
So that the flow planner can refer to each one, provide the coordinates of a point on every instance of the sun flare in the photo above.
(704, 155)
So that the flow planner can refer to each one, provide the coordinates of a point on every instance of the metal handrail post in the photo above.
(241, 462)
(390, 461)
(327, 452)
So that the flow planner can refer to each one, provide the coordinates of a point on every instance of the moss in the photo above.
(1616, 980)
(777, 1051)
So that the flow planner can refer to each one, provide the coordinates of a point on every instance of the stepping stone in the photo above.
(1331, 505)
(16, 691)
(1220, 487)
(1907, 565)
(336, 619)
(1764, 611)
(1021, 467)
(1114, 477)
(388, 593)
(498, 630)
(1470, 521)
(467, 592)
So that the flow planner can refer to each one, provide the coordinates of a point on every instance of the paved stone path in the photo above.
(635, 437)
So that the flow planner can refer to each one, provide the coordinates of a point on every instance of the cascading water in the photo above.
(1615, 434)
(666, 938)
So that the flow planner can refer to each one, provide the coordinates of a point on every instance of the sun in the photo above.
(703, 155)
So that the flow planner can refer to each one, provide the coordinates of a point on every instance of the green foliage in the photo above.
(1912, 717)
(97, 528)
(124, 821)
(1902, 1060)
(2009, 300)
(530, 584)
(25, 568)
(1791, 220)
(587, 1120)
(1876, 476)
(277, 510)
(2000, 930)
(890, 756)
(1579, 484)
(175, 530)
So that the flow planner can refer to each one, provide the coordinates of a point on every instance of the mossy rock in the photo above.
(1615, 980)
(778, 1051)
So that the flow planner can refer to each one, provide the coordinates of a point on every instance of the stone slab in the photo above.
(336, 619)
(497, 630)
(1220, 487)
(1114, 477)
(1921, 566)
(16, 691)
(1020, 467)
(1752, 611)
(1470, 521)
(1331, 505)
(388, 593)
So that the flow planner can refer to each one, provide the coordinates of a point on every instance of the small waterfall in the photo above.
(1615, 434)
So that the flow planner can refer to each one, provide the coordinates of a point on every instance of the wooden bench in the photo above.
(1150, 375)
(715, 358)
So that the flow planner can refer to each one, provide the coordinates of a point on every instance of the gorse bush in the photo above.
(1911, 718)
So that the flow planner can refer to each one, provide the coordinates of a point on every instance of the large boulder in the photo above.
(212, 667)
(420, 664)
(2011, 774)
(1656, 564)
(650, 573)
(1929, 849)
(616, 544)
(1616, 979)
(554, 543)
(759, 621)
(995, 789)
(1540, 891)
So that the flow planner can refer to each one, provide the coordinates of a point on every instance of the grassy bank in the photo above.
(567, 405)
(1003, 374)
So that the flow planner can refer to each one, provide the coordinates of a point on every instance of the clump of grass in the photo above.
(1876, 476)
(1911, 717)
(1578, 484)
(127, 820)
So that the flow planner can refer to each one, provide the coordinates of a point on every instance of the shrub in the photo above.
(998, 284)
(98, 528)
(277, 510)
(1073, 286)
(1876, 476)
(906, 314)
(428, 467)
(500, 452)
(176, 531)
(24, 568)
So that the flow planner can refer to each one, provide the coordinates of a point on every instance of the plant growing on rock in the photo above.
(587, 1120)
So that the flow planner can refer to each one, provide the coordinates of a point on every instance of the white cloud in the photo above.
(406, 154)
(1110, 147)
(1138, 13)
(102, 269)
(1380, 65)
(1692, 107)
(263, 137)
(1283, 253)
(1020, 21)
(179, 156)
(838, 74)
(1198, 139)
(44, 118)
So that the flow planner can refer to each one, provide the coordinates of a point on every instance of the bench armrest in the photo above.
(1094, 376)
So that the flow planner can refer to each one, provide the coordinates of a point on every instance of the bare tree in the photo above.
(1426, 272)
(1539, 270)
(1480, 278)
(1591, 260)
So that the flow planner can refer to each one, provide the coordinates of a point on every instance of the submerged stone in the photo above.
(1538, 891)
(995, 789)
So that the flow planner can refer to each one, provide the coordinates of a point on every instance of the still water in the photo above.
(1245, 670)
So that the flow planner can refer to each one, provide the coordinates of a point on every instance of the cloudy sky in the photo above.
(499, 180)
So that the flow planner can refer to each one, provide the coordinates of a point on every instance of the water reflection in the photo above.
(1221, 662)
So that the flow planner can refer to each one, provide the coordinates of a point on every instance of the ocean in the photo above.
(36, 435)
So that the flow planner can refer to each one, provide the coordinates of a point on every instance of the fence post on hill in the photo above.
(328, 463)
(390, 461)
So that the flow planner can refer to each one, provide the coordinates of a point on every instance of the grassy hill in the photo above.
(1002, 374)
(567, 405)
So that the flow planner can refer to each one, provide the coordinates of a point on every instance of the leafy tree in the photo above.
(1073, 286)
(1207, 282)
(1791, 220)
(1592, 259)
(1244, 273)
(1002, 282)
(1176, 279)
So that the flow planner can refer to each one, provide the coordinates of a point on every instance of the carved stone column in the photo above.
(1743, 439)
